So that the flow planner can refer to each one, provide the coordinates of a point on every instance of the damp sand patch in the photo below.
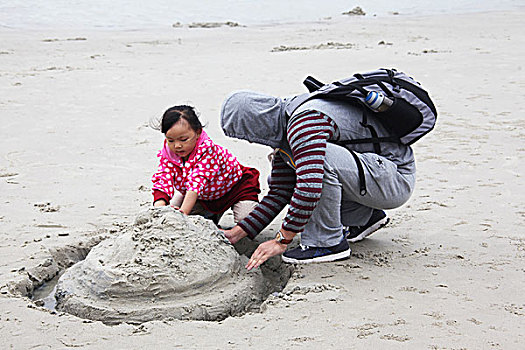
(164, 266)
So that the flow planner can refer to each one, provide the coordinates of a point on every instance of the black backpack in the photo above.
(407, 110)
(411, 115)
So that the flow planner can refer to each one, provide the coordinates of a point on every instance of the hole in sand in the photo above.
(164, 266)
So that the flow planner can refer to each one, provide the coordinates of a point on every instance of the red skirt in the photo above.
(246, 189)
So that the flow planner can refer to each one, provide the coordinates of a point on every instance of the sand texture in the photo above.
(77, 158)
(166, 265)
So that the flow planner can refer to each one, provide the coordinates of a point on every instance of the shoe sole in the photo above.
(327, 258)
(370, 230)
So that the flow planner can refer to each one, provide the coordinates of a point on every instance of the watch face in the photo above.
(281, 239)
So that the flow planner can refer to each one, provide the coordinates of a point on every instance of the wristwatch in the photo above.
(279, 237)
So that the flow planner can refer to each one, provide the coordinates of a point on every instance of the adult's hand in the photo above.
(235, 234)
(264, 252)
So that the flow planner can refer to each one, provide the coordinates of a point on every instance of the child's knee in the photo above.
(177, 199)
(241, 209)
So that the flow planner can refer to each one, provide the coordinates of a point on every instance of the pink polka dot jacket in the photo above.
(211, 171)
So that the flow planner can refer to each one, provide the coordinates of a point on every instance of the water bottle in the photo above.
(378, 102)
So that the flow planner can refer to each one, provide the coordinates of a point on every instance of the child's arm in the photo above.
(162, 182)
(189, 201)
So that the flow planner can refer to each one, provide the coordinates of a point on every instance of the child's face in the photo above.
(182, 138)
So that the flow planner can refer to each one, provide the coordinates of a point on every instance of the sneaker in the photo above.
(357, 233)
(305, 255)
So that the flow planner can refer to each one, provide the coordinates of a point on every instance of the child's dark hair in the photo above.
(173, 115)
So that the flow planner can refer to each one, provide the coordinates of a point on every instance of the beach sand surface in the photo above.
(446, 273)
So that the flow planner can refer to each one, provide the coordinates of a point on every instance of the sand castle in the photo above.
(166, 265)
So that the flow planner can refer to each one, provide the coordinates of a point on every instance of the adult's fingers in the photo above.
(258, 257)
(263, 252)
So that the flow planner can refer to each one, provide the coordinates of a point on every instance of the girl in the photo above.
(208, 178)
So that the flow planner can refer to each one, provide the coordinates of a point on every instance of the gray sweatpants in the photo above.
(341, 204)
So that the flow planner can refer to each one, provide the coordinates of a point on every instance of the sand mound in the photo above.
(166, 265)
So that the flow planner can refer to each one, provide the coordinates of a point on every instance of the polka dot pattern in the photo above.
(211, 171)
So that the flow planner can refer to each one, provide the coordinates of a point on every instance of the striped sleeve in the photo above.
(281, 185)
(308, 134)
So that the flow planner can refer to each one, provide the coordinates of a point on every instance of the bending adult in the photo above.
(320, 181)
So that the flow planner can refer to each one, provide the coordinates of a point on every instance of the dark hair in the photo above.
(173, 115)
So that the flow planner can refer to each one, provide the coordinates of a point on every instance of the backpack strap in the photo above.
(375, 139)
(364, 123)
(312, 84)
(347, 89)
(361, 173)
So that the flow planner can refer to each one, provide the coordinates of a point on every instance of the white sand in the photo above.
(447, 273)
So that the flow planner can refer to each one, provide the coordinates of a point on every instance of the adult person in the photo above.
(318, 179)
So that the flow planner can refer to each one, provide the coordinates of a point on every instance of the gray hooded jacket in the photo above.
(260, 118)
(254, 117)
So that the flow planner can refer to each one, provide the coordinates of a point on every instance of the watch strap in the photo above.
(279, 237)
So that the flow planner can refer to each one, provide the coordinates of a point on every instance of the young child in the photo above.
(208, 178)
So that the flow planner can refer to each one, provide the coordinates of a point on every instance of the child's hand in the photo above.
(179, 209)
(189, 201)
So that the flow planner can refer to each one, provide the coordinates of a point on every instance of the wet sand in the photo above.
(160, 268)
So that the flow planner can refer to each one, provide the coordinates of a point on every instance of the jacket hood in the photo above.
(254, 117)
(166, 152)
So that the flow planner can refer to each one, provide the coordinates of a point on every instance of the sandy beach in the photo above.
(77, 156)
